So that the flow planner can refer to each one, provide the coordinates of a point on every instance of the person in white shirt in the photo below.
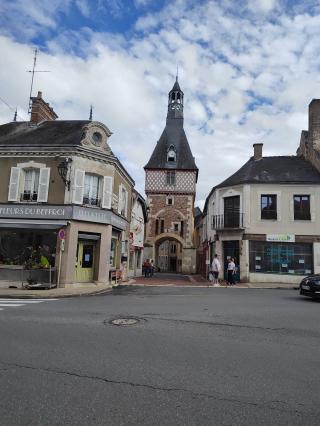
(231, 270)
(216, 267)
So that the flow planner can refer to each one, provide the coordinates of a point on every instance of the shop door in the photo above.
(232, 212)
(85, 261)
(231, 249)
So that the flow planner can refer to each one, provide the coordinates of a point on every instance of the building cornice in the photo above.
(64, 151)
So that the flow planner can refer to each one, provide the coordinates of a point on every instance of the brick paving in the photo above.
(177, 280)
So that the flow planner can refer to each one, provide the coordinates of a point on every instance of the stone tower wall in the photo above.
(181, 210)
(310, 140)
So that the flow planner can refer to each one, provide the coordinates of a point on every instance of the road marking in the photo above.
(10, 304)
(26, 300)
(17, 303)
(13, 301)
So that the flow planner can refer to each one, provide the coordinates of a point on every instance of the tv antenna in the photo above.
(33, 71)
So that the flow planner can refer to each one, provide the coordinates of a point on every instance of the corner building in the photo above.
(170, 186)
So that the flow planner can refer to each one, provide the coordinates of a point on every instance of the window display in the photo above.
(28, 248)
(281, 258)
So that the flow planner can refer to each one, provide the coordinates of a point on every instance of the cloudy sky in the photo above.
(248, 68)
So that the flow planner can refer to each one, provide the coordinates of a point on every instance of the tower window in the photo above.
(171, 156)
(169, 201)
(171, 177)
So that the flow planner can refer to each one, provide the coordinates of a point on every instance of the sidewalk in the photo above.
(54, 293)
(198, 281)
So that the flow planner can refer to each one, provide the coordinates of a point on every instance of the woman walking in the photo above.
(231, 270)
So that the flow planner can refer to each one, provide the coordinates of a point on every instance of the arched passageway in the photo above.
(169, 255)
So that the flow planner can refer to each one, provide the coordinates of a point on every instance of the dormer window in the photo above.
(171, 156)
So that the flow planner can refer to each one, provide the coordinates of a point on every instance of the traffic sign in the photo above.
(62, 234)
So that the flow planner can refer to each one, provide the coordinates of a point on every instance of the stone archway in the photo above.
(169, 254)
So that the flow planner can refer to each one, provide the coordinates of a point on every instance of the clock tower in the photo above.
(170, 186)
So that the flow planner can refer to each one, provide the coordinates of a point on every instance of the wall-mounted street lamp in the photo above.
(63, 169)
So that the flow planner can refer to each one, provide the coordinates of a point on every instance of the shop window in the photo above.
(30, 248)
(269, 207)
(87, 256)
(138, 259)
(302, 207)
(131, 260)
(171, 177)
(114, 252)
(91, 190)
(281, 258)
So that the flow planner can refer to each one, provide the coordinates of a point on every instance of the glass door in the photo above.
(85, 261)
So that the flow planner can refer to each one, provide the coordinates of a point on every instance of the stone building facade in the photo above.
(65, 201)
(266, 215)
(170, 186)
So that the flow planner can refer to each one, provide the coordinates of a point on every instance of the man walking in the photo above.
(216, 267)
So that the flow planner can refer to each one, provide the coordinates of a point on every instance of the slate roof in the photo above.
(173, 134)
(47, 133)
(285, 169)
(176, 87)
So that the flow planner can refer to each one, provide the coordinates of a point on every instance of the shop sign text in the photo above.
(281, 238)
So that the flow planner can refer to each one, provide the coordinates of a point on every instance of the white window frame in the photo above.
(92, 190)
(107, 192)
(170, 197)
(123, 201)
(17, 182)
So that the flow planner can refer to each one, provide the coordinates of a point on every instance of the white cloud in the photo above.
(245, 78)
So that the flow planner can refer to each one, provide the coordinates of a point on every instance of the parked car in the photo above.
(310, 286)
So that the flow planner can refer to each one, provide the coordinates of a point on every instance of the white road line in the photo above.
(26, 300)
(19, 301)
(11, 304)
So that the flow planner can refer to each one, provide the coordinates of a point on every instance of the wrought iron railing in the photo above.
(91, 201)
(29, 196)
(233, 220)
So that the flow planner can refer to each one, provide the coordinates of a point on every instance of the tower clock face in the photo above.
(176, 107)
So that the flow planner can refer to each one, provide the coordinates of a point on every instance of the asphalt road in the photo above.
(221, 356)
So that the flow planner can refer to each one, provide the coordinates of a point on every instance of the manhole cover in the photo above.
(124, 321)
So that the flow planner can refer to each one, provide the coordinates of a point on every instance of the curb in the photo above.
(54, 296)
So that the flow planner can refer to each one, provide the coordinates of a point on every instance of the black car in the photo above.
(310, 286)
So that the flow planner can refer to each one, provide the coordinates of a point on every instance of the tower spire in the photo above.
(90, 115)
(15, 115)
(175, 101)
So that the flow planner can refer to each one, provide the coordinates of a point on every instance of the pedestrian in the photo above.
(215, 267)
(231, 268)
(146, 268)
(151, 268)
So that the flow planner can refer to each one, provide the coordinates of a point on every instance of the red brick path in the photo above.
(176, 280)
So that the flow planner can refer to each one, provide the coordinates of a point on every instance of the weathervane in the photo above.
(32, 72)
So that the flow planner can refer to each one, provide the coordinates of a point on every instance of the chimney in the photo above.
(41, 111)
(257, 151)
(314, 121)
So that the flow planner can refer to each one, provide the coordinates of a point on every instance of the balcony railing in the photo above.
(91, 201)
(228, 221)
(29, 196)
